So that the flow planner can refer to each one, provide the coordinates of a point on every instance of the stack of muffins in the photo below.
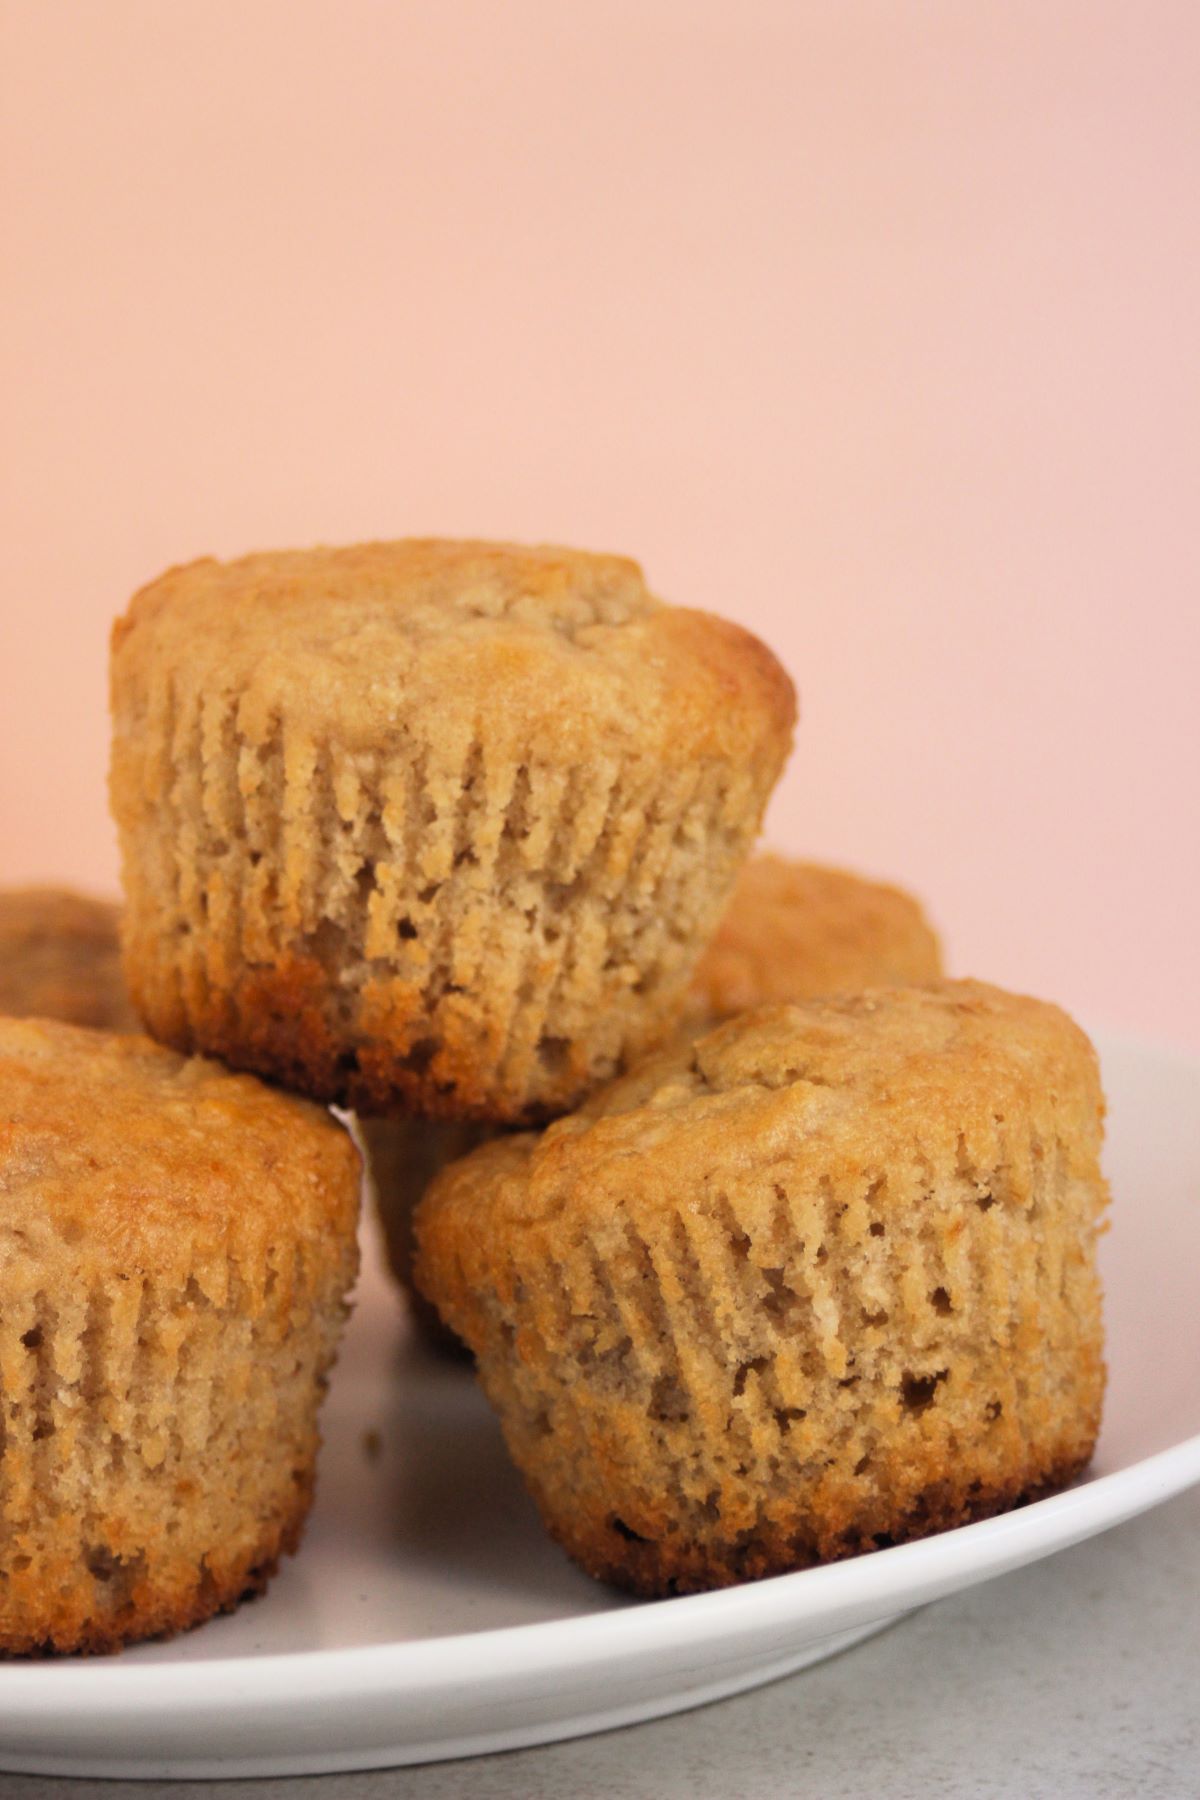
(456, 835)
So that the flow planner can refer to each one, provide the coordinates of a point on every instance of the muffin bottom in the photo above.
(179, 1595)
(654, 1569)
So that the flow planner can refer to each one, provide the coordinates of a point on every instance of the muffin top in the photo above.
(914, 1082)
(352, 642)
(116, 1151)
(793, 930)
(60, 958)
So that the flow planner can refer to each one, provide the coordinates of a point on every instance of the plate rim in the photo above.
(896, 1579)
(878, 1584)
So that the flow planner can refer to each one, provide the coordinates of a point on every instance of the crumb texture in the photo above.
(822, 1281)
(427, 825)
(176, 1245)
(60, 958)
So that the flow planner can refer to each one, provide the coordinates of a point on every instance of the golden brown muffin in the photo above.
(428, 825)
(824, 1280)
(792, 930)
(60, 958)
(176, 1244)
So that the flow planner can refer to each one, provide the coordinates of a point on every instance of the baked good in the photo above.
(821, 1281)
(402, 1156)
(791, 931)
(176, 1244)
(428, 825)
(60, 958)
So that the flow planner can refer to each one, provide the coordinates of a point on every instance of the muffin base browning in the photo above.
(534, 943)
(656, 1569)
(177, 1598)
(159, 1454)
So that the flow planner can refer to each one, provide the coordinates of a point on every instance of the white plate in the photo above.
(427, 1615)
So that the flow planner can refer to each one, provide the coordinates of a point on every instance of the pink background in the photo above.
(872, 325)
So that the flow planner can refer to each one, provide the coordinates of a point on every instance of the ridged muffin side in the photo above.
(429, 825)
(176, 1246)
(824, 1281)
(792, 931)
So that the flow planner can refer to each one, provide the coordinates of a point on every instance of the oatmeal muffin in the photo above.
(176, 1244)
(60, 958)
(430, 825)
(823, 1281)
(791, 931)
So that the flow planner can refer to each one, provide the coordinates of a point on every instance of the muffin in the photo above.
(402, 1157)
(176, 1245)
(791, 931)
(60, 958)
(427, 825)
(823, 1281)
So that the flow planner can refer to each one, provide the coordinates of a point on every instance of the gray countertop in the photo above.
(1079, 1676)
